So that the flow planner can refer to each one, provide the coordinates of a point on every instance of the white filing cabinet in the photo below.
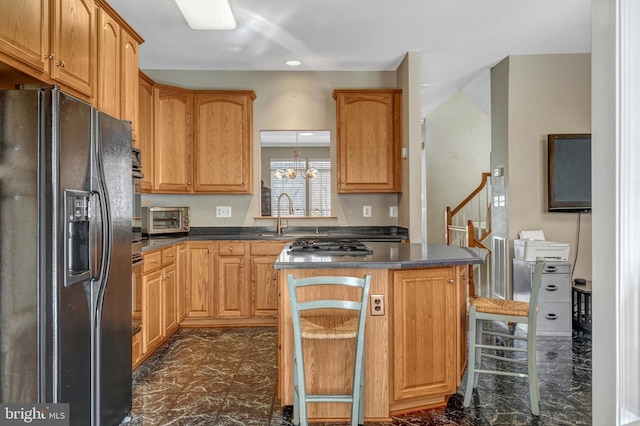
(554, 302)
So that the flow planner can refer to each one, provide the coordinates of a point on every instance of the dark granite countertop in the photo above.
(389, 255)
(362, 233)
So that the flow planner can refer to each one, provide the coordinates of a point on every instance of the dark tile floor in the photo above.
(228, 377)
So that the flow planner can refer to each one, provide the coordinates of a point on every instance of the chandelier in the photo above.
(297, 169)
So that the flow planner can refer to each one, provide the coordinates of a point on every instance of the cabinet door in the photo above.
(151, 310)
(172, 140)
(223, 143)
(169, 301)
(74, 46)
(129, 97)
(369, 140)
(181, 274)
(199, 288)
(462, 294)
(24, 33)
(264, 287)
(145, 130)
(424, 330)
(108, 64)
(231, 287)
(264, 279)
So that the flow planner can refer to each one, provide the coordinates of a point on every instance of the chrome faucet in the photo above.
(279, 226)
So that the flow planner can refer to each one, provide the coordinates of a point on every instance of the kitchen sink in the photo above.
(296, 234)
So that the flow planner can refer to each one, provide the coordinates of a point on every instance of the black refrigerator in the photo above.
(65, 256)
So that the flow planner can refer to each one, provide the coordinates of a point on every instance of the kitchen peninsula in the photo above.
(415, 352)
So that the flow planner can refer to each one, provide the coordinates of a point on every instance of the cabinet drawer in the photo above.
(228, 248)
(554, 318)
(152, 261)
(266, 248)
(555, 268)
(168, 256)
(555, 288)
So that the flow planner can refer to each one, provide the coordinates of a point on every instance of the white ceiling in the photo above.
(458, 40)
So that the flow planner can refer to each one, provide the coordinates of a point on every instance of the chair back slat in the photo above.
(329, 304)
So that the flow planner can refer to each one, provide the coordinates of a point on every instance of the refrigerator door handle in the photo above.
(78, 236)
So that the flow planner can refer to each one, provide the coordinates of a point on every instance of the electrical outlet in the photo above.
(366, 211)
(377, 304)
(223, 211)
(393, 211)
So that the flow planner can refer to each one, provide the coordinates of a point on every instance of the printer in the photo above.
(532, 245)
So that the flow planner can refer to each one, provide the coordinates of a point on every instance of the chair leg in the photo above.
(478, 358)
(532, 371)
(471, 364)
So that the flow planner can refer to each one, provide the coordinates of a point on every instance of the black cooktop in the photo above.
(329, 247)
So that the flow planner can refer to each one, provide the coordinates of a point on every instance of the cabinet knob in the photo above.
(48, 56)
(209, 251)
(242, 265)
(154, 260)
(451, 281)
(60, 64)
(463, 277)
(275, 316)
(230, 248)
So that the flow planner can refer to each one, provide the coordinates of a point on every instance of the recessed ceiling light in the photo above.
(293, 63)
(207, 14)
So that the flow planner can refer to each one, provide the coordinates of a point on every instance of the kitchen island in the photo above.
(415, 352)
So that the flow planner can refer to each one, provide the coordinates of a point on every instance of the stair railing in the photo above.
(469, 225)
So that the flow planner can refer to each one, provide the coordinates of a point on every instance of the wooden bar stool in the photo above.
(328, 318)
(508, 311)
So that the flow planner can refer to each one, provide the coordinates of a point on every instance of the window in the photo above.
(311, 197)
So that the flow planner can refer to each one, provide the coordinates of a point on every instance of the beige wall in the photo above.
(546, 94)
(458, 143)
(284, 101)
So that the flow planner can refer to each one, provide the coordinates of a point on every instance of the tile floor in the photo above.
(228, 377)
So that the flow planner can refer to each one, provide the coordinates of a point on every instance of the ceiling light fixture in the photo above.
(293, 63)
(207, 14)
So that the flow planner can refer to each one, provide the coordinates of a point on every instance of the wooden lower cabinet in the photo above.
(231, 286)
(222, 291)
(136, 350)
(160, 296)
(181, 276)
(169, 301)
(151, 310)
(425, 336)
(200, 280)
(264, 279)
(415, 353)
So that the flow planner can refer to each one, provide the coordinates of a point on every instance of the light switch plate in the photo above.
(223, 211)
(393, 211)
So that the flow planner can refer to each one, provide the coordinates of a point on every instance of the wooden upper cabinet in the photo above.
(24, 35)
(117, 88)
(129, 69)
(223, 141)
(369, 124)
(145, 130)
(108, 96)
(51, 40)
(172, 139)
(74, 47)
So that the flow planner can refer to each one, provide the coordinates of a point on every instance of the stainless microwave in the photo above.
(165, 220)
